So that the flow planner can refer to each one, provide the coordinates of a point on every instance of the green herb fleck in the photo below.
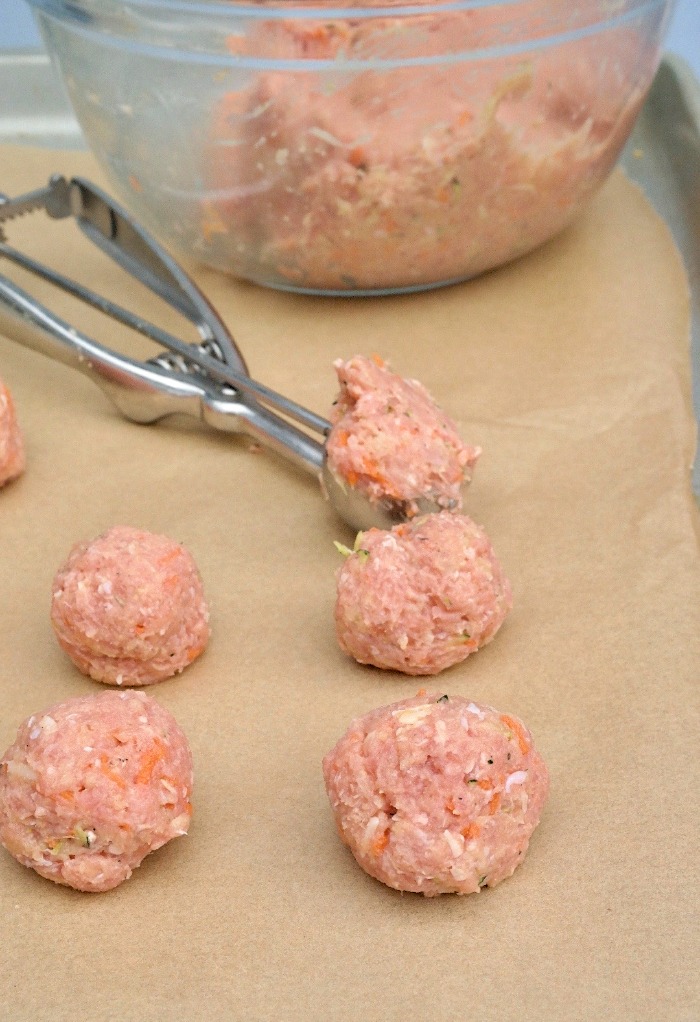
(341, 548)
(482, 881)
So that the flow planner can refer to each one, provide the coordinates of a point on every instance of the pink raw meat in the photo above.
(436, 794)
(128, 608)
(390, 440)
(92, 785)
(421, 597)
(12, 456)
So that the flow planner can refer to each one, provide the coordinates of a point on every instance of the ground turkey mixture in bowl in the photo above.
(356, 148)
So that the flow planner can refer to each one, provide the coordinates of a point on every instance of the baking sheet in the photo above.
(571, 370)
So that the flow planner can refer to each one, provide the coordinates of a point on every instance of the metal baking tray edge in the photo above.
(662, 155)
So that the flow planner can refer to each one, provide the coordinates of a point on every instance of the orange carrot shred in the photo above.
(357, 156)
(518, 730)
(494, 803)
(472, 830)
(113, 776)
(380, 843)
(149, 761)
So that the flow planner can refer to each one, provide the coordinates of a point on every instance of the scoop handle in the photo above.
(145, 392)
(142, 392)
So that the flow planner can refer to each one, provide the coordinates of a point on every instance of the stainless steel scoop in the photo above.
(208, 380)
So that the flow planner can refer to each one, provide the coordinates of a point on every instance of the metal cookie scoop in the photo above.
(208, 380)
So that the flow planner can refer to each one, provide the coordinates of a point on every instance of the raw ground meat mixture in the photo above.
(375, 179)
(421, 597)
(129, 609)
(92, 785)
(12, 456)
(391, 441)
(436, 794)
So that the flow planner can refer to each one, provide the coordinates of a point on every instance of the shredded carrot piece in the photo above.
(357, 157)
(193, 652)
(494, 803)
(67, 794)
(450, 805)
(484, 784)
(472, 830)
(149, 761)
(370, 467)
(378, 360)
(172, 555)
(421, 692)
(518, 730)
(111, 774)
(318, 33)
(380, 843)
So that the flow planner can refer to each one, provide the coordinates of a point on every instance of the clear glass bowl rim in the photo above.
(315, 9)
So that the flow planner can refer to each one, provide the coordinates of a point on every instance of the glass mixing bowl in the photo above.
(356, 150)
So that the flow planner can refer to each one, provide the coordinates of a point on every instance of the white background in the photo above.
(17, 29)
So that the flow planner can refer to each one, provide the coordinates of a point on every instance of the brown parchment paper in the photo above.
(570, 369)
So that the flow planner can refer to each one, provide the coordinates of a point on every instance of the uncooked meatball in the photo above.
(422, 596)
(129, 609)
(12, 456)
(390, 441)
(436, 794)
(92, 785)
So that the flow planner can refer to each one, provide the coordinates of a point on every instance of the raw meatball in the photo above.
(390, 440)
(129, 608)
(92, 785)
(421, 597)
(12, 458)
(436, 794)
